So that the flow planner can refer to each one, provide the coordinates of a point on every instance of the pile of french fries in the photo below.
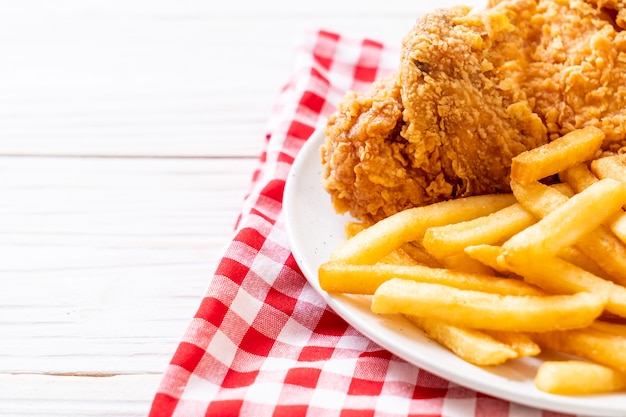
(499, 277)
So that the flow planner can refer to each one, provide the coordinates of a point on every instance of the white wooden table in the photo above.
(129, 130)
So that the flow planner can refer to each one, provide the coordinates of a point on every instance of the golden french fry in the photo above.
(397, 256)
(597, 346)
(613, 166)
(488, 255)
(420, 256)
(577, 257)
(599, 244)
(339, 277)
(450, 239)
(578, 378)
(617, 224)
(479, 310)
(578, 177)
(603, 246)
(462, 262)
(605, 326)
(471, 345)
(557, 276)
(607, 251)
(564, 189)
(539, 199)
(575, 147)
(520, 342)
(373, 243)
(406, 254)
(573, 219)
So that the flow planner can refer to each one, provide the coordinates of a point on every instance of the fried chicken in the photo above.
(577, 73)
(365, 164)
(463, 118)
(465, 114)
(473, 90)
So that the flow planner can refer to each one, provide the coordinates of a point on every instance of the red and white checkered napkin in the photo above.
(263, 342)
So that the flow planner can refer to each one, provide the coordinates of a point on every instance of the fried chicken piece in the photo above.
(364, 166)
(447, 125)
(465, 114)
(616, 9)
(577, 74)
(472, 91)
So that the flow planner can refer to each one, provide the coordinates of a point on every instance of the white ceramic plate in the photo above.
(315, 230)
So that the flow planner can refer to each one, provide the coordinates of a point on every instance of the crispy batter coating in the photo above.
(577, 74)
(472, 90)
(364, 163)
(465, 113)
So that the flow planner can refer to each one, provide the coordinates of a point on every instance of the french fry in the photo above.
(617, 224)
(605, 326)
(613, 166)
(597, 346)
(462, 262)
(608, 252)
(575, 218)
(568, 150)
(406, 254)
(578, 177)
(578, 258)
(599, 244)
(372, 244)
(420, 256)
(540, 199)
(519, 342)
(578, 378)
(557, 276)
(480, 310)
(338, 277)
(450, 239)
(471, 345)
(488, 255)
(398, 257)
(564, 189)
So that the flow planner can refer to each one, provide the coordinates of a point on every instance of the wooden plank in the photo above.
(84, 396)
(122, 321)
(125, 197)
(108, 258)
(159, 79)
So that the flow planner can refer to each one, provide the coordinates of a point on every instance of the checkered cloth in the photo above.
(263, 342)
